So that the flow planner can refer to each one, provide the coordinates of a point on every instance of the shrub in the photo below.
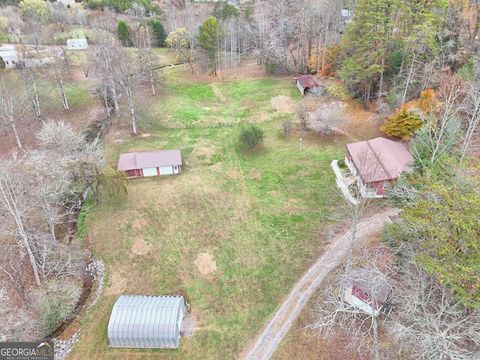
(158, 31)
(337, 89)
(409, 118)
(271, 67)
(251, 136)
(96, 4)
(123, 33)
(287, 127)
(36, 9)
(403, 124)
(55, 303)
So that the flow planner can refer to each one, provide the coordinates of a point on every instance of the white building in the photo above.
(77, 44)
(66, 2)
(149, 322)
(9, 55)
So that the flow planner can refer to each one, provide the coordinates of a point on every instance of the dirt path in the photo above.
(273, 333)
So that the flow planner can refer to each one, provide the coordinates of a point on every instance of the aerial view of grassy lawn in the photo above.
(232, 233)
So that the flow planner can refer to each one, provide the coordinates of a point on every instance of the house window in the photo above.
(385, 185)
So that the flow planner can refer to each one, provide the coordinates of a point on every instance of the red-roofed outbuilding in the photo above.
(152, 163)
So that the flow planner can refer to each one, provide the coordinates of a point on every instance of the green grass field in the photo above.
(206, 104)
(260, 215)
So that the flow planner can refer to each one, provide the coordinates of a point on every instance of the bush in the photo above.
(403, 124)
(287, 127)
(271, 67)
(337, 89)
(409, 118)
(123, 33)
(96, 4)
(251, 136)
(158, 31)
(55, 303)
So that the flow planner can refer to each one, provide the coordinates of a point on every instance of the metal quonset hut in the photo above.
(151, 322)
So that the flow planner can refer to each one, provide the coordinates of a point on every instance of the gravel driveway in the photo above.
(273, 333)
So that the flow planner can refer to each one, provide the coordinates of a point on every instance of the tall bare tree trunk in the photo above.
(131, 105)
(8, 198)
(15, 133)
(409, 78)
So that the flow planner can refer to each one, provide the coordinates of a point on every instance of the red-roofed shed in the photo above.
(307, 83)
(152, 163)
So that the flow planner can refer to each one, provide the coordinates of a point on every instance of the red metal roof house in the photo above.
(153, 163)
(376, 164)
(367, 291)
(307, 83)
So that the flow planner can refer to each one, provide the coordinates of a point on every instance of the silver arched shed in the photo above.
(146, 322)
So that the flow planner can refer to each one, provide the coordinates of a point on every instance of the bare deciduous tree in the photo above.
(105, 66)
(429, 323)
(11, 109)
(332, 313)
(142, 40)
(15, 207)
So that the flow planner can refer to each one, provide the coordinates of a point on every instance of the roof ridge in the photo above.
(378, 159)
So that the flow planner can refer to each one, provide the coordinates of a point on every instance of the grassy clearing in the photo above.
(258, 214)
(206, 104)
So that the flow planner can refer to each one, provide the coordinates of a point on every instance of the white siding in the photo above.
(300, 87)
(166, 170)
(150, 172)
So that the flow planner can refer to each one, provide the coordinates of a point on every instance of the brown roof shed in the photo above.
(151, 159)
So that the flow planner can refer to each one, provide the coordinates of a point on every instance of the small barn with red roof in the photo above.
(377, 164)
(307, 83)
(367, 290)
(151, 163)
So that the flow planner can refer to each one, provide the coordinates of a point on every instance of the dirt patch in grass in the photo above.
(205, 263)
(140, 247)
(362, 123)
(233, 174)
(200, 155)
(118, 283)
(255, 175)
(283, 104)
(139, 224)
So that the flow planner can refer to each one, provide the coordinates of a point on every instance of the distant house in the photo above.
(9, 55)
(153, 163)
(307, 83)
(367, 291)
(376, 164)
(347, 15)
(66, 2)
(77, 44)
(152, 322)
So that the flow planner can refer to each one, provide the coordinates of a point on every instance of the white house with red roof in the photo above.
(377, 164)
(152, 163)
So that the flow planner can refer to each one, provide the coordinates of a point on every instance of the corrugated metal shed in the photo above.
(146, 322)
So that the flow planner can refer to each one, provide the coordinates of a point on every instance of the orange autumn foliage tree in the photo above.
(323, 61)
(410, 117)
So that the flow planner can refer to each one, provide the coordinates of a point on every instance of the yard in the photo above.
(232, 233)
